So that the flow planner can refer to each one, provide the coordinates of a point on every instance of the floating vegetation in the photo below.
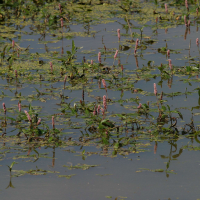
(97, 78)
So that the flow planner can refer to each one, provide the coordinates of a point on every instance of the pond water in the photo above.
(125, 150)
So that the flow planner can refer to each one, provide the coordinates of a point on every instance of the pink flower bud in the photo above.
(53, 122)
(170, 63)
(104, 84)
(166, 9)
(140, 105)
(197, 41)
(28, 116)
(99, 57)
(61, 22)
(94, 112)
(13, 44)
(104, 102)
(118, 33)
(136, 46)
(39, 121)
(186, 4)
(60, 8)
(98, 109)
(155, 89)
(161, 96)
(4, 107)
(91, 62)
(115, 56)
(19, 106)
(15, 73)
(168, 53)
(103, 111)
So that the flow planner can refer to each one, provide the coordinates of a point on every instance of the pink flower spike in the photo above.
(104, 102)
(91, 62)
(115, 56)
(155, 89)
(13, 44)
(166, 9)
(60, 8)
(4, 107)
(53, 122)
(136, 46)
(197, 41)
(98, 109)
(140, 105)
(28, 116)
(39, 121)
(170, 63)
(19, 106)
(168, 53)
(103, 111)
(118, 33)
(61, 22)
(104, 84)
(99, 57)
(94, 112)
(186, 4)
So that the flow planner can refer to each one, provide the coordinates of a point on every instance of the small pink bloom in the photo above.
(28, 116)
(104, 102)
(161, 96)
(155, 89)
(168, 53)
(61, 22)
(115, 56)
(166, 9)
(103, 111)
(94, 112)
(39, 121)
(91, 62)
(98, 109)
(118, 33)
(60, 8)
(140, 105)
(197, 41)
(104, 84)
(15, 73)
(53, 122)
(170, 63)
(13, 44)
(186, 4)
(4, 107)
(136, 46)
(155, 148)
(19, 106)
(99, 57)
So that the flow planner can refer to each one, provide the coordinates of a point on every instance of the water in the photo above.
(144, 158)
